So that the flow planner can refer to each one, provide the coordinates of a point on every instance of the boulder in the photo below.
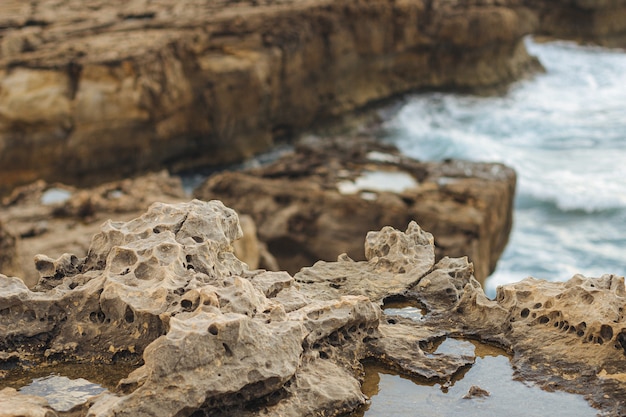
(320, 201)
(209, 336)
(95, 91)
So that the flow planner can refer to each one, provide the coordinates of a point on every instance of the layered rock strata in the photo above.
(92, 90)
(321, 200)
(218, 339)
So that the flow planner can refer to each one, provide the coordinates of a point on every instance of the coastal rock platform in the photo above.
(211, 337)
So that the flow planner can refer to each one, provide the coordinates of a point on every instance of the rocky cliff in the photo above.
(210, 337)
(92, 90)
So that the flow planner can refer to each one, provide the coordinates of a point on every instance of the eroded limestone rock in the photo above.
(213, 337)
(57, 219)
(321, 200)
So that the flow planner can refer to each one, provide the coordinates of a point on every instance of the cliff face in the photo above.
(92, 90)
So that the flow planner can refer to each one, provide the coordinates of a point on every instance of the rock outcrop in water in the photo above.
(92, 90)
(321, 200)
(219, 339)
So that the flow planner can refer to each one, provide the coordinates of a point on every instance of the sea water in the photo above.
(564, 132)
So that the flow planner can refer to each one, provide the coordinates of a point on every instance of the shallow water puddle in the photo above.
(488, 388)
(402, 308)
(68, 385)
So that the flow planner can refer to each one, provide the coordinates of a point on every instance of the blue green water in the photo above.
(564, 132)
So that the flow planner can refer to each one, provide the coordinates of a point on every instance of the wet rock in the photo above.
(195, 83)
(322, 199)
(12, 404)
(476, 392)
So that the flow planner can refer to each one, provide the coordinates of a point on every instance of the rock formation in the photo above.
(320, 201)
(92, 90)
(601, 22)
(9, 253)
(57, 218)
(214, 338)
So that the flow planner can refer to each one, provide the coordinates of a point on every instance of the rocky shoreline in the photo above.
(194, 83)
(212, 337)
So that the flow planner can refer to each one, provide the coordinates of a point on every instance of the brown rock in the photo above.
(93, 91)
(321, 201)
(9, 253)
(601, 22)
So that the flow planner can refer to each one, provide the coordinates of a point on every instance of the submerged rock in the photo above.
(322, 199)
(211, 337)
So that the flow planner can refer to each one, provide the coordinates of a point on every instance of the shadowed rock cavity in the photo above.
(214, 338)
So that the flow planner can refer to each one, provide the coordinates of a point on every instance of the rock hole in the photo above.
(580, 333)
(186, 304)
(548, 304)
(73, 285)
(525, 312)
(606, 332)
(213, 329)
(460, 310)
(385, 249)
(323, 355)
(599, 340)
(156, 231)
(621, 339)
(538, 305)
(197, 239)
(449, 290)
(566, 327)
(391, 321)
(227, 350)
(543, 320)
(129, 315)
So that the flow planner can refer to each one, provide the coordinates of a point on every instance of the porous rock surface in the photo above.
(90, 89)
(310, 205)
(219, 339)
(53, 219)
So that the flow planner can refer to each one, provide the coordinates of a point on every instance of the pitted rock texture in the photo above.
(215, 338)
(308, 206)
(55, 219)
(91, 90)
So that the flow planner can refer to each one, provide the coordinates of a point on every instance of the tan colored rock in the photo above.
(57, 219)
(217, 338)
(93, 91)
(9, 253)
(321, 200)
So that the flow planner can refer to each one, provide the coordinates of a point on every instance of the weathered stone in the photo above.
(322, 199)
(218, 339)
(9, 253)
(55, 219)
(13, 404)
(90, 90)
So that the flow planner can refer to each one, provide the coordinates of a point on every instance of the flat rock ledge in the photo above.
(211, 337)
